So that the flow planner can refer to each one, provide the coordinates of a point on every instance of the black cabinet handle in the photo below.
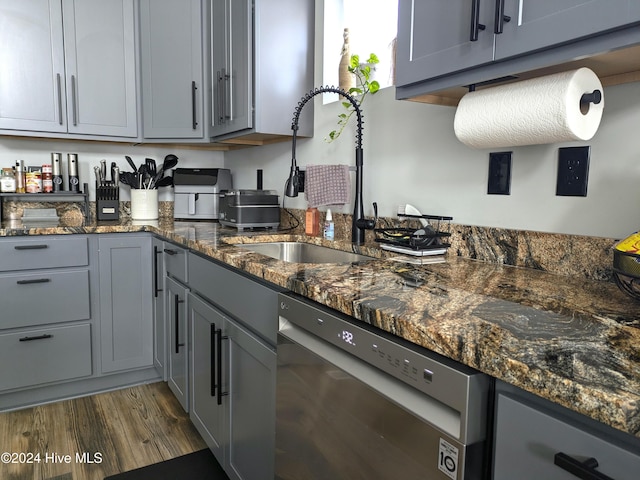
(176, 303)
(34, 280)
(501, 18)
(31, 247)
(39, 337)
(475, 20)
(219, 338)
(156, 252)
(212, 361)
(194, 120)
(585, 470)
(169, 251)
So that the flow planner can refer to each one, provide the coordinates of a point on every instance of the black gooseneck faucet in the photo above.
(359, 223)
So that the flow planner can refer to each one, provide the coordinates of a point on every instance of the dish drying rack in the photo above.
(428, 239)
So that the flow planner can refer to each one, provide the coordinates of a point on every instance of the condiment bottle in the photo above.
(7, 181)
(20, 181)
(312, 222)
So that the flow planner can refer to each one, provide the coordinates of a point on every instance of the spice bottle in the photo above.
(47, 178)
(312, 222)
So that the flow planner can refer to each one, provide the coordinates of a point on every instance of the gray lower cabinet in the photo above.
(232, 380)
(126, 309)
(233, 366)
(159, 325)
(177, 334)
(60, 78)
(45, 325)
(536, 439)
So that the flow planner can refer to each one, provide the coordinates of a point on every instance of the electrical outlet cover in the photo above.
(573, 171)
(499, 173)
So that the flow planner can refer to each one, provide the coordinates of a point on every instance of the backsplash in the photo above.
(570, 255)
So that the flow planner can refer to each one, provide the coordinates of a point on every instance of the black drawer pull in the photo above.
(39, 337)
(34, 280)
(585, 470)
(31, 247)
(169, 251)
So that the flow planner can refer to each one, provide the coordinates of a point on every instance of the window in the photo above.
(372, 28)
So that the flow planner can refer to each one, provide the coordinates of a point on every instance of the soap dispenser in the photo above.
(329, 227)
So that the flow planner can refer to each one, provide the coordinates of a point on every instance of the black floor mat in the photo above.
(200, 465)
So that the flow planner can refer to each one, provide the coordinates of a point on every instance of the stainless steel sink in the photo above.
(295, 252)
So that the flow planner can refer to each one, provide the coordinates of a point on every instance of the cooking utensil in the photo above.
(151, 166)
(103, 171)
(164, 182)
(130, 162)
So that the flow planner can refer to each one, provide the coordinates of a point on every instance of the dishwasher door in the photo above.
(339, 418)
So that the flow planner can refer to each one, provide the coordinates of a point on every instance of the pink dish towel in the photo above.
(327, 185)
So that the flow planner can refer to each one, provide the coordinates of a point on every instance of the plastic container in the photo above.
(312, 222)
(329, 227)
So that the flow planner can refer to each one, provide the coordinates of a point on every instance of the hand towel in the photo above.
(327, 185)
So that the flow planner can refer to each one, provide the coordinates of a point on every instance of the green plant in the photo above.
(364, 86)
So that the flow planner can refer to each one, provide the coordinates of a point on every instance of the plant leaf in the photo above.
(346, 104)
(374, 86)
(373, 59)
(354, 61)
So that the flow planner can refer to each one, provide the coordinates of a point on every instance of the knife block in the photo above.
(107, 201)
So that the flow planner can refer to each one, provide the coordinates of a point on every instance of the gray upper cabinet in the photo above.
(173, 87)
(262, 64)
(70, 67)
(232, 68)
(443, 45)
(539, 24)
(434, 38)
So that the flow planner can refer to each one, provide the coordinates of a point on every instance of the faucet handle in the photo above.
(366, 224)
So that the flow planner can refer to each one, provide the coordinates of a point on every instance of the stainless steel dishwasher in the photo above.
(353, 402)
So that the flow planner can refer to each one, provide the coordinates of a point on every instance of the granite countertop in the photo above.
(573, 341)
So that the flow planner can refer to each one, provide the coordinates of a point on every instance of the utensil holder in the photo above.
(107, 201)
(144, 204)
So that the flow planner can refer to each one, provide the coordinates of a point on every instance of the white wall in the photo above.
(38, 152)
(411, 155)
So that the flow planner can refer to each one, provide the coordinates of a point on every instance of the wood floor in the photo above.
(92, 437)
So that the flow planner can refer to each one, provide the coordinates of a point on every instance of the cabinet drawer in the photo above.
(45, 355)
(43, 252)
(44, 297)
(175, 262)
(527, 440)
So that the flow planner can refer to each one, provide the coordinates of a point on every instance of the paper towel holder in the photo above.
(594, 97)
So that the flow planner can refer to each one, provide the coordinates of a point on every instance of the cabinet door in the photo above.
(32, 86)
(172, 73)
(177, 334)
(434, 38)
(251, 406)
(207, 415)
(126, 311)
(232, 27)
(100, 63)
(538, 24)
(159, 326)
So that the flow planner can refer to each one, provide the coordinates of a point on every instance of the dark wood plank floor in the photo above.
(103, 434)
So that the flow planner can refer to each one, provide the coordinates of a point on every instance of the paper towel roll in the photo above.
(530, 112)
